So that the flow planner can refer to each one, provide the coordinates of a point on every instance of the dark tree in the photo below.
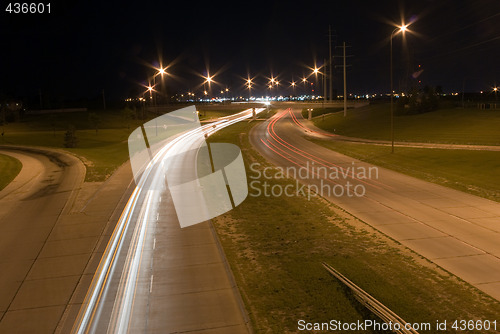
(95, 121)
(70, 139)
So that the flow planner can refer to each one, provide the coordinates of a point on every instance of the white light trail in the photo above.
(91, 311)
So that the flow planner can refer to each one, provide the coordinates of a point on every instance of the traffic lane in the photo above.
(190, 285)
(23, 183)
(27, 222)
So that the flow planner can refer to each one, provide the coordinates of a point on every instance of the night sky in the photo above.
(86, 46)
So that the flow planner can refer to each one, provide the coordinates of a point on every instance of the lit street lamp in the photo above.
(316, 71)
(293, 84)
(208, 80)
(304, 80)
(249, 86)
(160, 71)
(394, 32)
(272, 82)
(150, 90)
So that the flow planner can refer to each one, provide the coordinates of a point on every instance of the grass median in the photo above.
(315, 112)
(211, 114)
(9, 168)
(102, 151)
(275, 247)
(449, 125)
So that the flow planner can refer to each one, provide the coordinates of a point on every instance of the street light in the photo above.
(316, 72)
(401, 29)
(249, 86)
(208, 79)
(160, 71)
(304, 81)
(272, 82)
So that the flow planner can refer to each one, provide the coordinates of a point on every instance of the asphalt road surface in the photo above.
(457, 231)
(31, 286)
(156, 277)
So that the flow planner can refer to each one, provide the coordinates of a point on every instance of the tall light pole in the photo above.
(394, 32)
(272, 82)
(330, 61)
(208, 80)
(345, 86)
(324, 83)
(160, 71)
(249, 86)
(315, 72)
(495, 89)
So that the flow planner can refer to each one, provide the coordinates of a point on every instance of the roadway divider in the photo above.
(372, 304)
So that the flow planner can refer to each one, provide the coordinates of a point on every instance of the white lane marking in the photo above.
(151, 285)
(154, 243)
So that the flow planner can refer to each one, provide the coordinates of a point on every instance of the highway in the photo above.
(38, 275)
(455, 230)
(156, 277)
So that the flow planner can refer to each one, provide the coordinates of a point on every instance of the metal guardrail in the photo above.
(379, 309)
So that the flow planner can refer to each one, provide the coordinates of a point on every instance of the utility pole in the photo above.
(344, 66)
(324, 86)
(103, 100)
(330, 60)
(345, 87)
